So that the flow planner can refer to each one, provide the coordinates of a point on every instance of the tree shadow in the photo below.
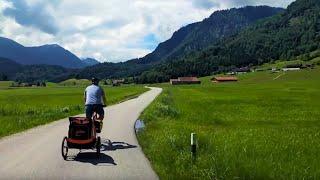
(91, 157)
(112, 146)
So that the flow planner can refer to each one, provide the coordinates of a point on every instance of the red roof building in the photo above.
(224, 79)
(185, 80)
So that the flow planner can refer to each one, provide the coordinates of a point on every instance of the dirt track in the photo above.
(35, 154)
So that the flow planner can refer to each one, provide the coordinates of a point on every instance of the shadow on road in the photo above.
(112, 146)
(106, 145)
(91, 157)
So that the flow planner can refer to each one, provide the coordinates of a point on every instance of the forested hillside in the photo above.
(193, 37)
(219, 25)
(10, 70)
(284, 36)
(36, 73)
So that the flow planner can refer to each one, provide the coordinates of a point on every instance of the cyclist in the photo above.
(95, 100)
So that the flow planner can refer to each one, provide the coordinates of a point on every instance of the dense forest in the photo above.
(10, 70)
(283, 36)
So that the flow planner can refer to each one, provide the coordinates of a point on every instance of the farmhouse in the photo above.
(291, 69)
(185, 80)
(231, 73)
(242, 70)
(224, 79)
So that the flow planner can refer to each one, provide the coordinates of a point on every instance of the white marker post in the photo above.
(193, 146)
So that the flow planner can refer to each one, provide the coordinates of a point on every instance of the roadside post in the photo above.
(193, 147)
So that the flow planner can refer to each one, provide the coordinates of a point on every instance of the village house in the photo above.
(242, 70)
(224, 79)
(117, 82)
(185, 80)
(230, 73)
(274, 70)
(292, 67)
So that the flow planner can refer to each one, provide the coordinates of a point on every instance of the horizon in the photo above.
(113, 38)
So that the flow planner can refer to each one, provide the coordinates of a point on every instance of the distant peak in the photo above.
(90, 61)
(52, 46)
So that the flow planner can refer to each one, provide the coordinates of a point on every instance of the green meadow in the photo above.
(261, 127)
(24, 108)
(75, 82)
(5, 84)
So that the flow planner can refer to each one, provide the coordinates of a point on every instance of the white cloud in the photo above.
(111, 30)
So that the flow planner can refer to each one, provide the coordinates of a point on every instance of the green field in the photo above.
(5, 84)
(75, 82)
(23, 108)
(257, 128)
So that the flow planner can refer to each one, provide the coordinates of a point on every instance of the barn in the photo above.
(224, 79)
(185, 80)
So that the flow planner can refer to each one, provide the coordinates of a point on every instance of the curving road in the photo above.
(35, 154)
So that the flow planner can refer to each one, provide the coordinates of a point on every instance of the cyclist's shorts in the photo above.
(90, 108)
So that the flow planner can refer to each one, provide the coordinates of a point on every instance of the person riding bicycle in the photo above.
(95, 100)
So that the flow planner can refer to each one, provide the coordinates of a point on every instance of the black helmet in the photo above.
(94, 80)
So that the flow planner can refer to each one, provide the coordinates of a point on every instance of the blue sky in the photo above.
(108, 30)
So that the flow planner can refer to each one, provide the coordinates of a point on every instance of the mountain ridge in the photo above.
(49, 54)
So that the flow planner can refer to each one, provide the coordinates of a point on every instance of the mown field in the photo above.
(23, 108)
(258, 128)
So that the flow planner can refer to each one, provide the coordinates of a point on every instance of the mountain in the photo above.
(90, 61)
(284, 36)
(191, 38)
(48, 54)
(220, 24)
(9, 68)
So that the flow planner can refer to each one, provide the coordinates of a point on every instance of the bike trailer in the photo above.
(80, 133)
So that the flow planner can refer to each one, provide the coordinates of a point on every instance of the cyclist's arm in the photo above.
(85, 96)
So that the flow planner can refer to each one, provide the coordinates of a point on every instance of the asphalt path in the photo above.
(36, 153)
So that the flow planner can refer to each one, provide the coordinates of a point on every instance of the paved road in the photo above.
(35, 154)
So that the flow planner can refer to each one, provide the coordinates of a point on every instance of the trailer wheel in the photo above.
(64, 148)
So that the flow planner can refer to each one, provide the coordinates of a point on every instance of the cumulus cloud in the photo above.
(206, 4)
(109, 30)
(35, 16)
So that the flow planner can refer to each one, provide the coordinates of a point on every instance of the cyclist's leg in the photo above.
(100, 112)
(89, 111)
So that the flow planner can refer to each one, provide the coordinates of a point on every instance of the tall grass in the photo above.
(259, 128)
(23, 108)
